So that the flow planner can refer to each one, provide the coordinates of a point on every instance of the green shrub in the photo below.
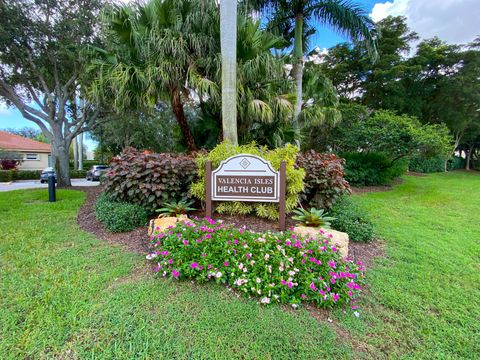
(455, 163)
(78, 174)
(274, 267)
(149, 179)
(351, 219)
(119, 216)
(426, 165)
(324, 178)
(225, 150)
(27, 174)
(369, 169)
(87, 164)
(435, 164)
(6, 175)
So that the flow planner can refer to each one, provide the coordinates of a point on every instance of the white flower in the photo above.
(245, 270)
(240, 266)
(151, 256)
(265, 300)
(258, 280)
(290, 259)
(218, 275)
(269, 267)
(266, 257)
(276, 297)
(294, 306)
(252, 262)
(259, 292)
(356, 313)
(291, 273)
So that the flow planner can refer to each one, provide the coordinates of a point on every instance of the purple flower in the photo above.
(194, 265)
(175, 274)
(225, 263)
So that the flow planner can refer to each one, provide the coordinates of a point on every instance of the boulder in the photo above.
(161, 223)
(338, 238)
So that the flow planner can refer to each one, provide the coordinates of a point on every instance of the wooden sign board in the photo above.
(247, 178)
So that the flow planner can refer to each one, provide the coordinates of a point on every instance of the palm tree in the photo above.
(158, 51)
(297, 19)
(228, 40)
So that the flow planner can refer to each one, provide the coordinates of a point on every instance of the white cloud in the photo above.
(455, 21)
(4, 110)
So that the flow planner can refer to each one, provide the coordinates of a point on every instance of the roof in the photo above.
(15, 142)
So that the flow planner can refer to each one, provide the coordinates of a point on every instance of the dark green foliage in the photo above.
(349, 218)
(78, 174)
(149, 179)
(119, 216)
(324, 178)
(26, 174)
(87, 164)
(313, 217)
(6, 175)
(369, 169)
(435, 164)
(175, 208)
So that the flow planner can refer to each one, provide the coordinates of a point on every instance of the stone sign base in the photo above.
(339, 238)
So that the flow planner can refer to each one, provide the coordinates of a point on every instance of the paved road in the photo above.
(34, 184)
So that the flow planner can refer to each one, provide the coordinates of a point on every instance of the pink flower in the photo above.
(313, 287)
(225, 263)
(332, 264)
(204, 254)
(248, 256)
(194, 265)
(290, 284)
(209, 266)
(288, 243)
(334, 249)
(170, 261)
(175, 274)
(208, 236)
(304, 296)
(185, 242)
(235, 242)
(335, 297)
(283, 282)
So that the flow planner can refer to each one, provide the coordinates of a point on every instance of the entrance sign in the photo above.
(246, 178)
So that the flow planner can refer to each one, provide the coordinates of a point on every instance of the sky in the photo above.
(454, 21)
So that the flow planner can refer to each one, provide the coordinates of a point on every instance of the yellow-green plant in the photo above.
(225, 150)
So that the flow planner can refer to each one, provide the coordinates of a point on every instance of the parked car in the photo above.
(49, 171)
(96, 171)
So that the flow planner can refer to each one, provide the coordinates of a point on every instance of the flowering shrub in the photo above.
(275, 267)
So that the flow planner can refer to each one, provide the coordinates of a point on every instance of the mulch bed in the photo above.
(137, 240)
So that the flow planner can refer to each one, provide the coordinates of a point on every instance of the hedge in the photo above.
(435, 164)
(6, 175)
(119, 216)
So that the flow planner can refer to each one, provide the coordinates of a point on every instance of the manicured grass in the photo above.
(65, 294)
(425, 296)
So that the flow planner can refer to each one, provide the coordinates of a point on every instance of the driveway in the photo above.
(35, 184)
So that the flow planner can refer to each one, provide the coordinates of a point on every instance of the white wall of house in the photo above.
(34, 161)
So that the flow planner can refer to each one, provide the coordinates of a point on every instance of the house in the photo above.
(36, 155)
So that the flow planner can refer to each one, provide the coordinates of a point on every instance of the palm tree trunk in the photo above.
(228, 41)
(177, 108)
(298, 67)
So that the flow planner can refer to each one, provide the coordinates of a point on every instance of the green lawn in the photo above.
(65, 294)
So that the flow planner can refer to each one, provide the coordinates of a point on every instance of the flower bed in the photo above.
(275, 267)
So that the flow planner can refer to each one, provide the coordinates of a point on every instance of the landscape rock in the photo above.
(338, 237)
(161, 223)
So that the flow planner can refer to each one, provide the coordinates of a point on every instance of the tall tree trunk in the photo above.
(75, 153)
(298, 68)
(228, 41)
(80, 151)
(177, 108)
(468, 158)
